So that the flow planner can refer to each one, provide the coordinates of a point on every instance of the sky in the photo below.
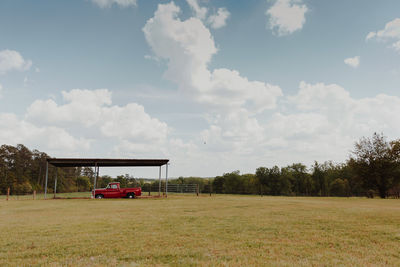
(213, 85)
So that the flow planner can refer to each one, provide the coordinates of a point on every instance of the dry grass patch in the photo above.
(193, 231)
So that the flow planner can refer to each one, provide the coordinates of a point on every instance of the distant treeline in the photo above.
(373, 169)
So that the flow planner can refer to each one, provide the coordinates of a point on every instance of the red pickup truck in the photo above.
(113, 190)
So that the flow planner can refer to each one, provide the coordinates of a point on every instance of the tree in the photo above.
(262, 177)
(83, 184)
(376, 163)
(299, 178)
(340, 188)
(319, 179)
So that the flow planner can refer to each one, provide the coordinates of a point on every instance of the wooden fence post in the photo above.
(34, 194)
(8, 193)
(197, 189)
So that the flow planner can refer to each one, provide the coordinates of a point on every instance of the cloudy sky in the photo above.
(213, 85)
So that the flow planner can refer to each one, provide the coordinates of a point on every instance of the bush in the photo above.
(23, 188)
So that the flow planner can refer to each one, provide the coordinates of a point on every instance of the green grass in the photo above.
(201, 231)
(40, 196)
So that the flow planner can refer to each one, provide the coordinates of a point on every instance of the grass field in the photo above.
(201, 231)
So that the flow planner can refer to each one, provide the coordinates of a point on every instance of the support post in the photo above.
(166, 180)
(197, 189)
(8, 193)
(34, 195)
(96, 170)
(159, 183)
(55, 183)
(47, 177)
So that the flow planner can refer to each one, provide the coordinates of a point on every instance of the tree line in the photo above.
(373, 169)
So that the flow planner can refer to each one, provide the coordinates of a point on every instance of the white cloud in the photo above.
(370, 35)
(396, 46)
(287, 16)
(391, 33)
(188, 47)
(353, 62)
(94, 109)
(109, 3)
(232, 101)
(12, 60)
(218, 20)
(200, 12)
(16, 131)
(98, 127)
(131, 122)
(83, 106)
(391, 30)
(322, 122)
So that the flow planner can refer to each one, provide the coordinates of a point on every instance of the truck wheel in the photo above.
(99, 196)
(131, 195)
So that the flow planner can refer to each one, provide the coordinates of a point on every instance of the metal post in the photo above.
(96, 169)
(159, 183)
(166, 180)
(55, 183)
(47, 177)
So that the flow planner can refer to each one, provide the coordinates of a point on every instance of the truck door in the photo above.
(113, 191)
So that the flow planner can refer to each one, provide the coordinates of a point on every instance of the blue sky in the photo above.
(233, 85)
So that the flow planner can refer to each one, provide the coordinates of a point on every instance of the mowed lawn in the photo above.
(222, 230)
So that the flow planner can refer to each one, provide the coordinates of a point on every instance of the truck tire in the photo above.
(99, 196)
(131, 195)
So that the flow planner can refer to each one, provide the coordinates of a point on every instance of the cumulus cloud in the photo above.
(12, 60)
(391, 30)
(97, 125)
(16, 130)
(390, 33)
(327, 116)
(83, 106)
(232, 100)
(353, 62)
(200, 12)
(218, 20)
(287, 16)
(188, 47)
(93, 108)
(109, 3)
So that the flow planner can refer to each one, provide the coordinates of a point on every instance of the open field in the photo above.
(190, 231)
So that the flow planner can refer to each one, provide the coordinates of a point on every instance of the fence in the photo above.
(183, 188)
(171, 188)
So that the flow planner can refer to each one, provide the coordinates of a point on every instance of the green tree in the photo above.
(376, 163)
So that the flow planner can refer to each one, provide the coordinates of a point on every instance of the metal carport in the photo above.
(98, 162)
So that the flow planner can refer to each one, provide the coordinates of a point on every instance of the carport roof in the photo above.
(92, 162)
